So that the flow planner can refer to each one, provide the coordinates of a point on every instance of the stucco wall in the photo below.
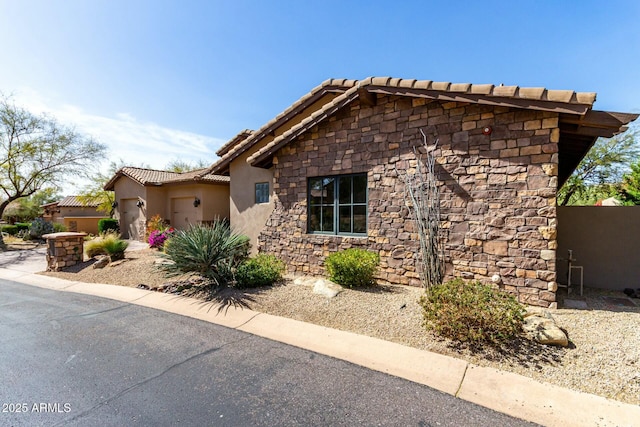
(497, 191)
(82, 224)
(247, 217)
(604, 240)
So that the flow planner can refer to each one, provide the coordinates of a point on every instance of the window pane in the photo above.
(345, 219)
(262, 192)
(328, 191)
(315, 190)
(327, 219)
(360, 189)
(359, 219)
(345, 190)
(314, 218)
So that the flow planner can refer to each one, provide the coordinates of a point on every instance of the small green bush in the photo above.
(58, 227)
(213, 251)
(263, 270)
(11, 230)
(472, 312)
(353, 267)
(109, 244)
(40, 227)
(108, 224)
(23, 226)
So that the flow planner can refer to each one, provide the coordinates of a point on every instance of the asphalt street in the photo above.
(78, 360)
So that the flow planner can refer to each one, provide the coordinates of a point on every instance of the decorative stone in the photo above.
(549, 233)
(552, 286)
(326, 288)
(547, 254)
(101, 262)
(551, 169)
(542, 328)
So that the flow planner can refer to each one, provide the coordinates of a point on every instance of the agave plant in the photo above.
(213, 251)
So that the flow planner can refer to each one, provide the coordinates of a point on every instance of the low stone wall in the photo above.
(64, 249)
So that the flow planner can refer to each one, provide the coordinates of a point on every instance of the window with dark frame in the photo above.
(338, 204)
(262, 192)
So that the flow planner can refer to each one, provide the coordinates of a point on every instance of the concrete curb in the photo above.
(501, 391)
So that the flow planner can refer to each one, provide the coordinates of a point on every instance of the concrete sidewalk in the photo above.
(505, 392)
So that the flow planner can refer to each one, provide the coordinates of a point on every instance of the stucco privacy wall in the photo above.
(497, 191)
(604, 241)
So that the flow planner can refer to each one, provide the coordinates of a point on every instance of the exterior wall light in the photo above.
(487, 130)
(196, 202)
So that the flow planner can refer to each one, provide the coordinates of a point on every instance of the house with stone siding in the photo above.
(325, 175)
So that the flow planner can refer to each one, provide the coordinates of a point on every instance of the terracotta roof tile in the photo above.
(241, 136)
(74, 202)
(466, 91)
(159, 177)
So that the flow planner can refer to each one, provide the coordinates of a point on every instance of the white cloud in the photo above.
(127, 138)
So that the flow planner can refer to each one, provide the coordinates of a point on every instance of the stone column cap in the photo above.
(62, 235)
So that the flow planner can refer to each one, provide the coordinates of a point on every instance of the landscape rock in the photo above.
(542, 328)
(102, 262)
(117, 263)
(326, 288)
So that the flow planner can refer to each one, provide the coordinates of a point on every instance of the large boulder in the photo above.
(541, 327)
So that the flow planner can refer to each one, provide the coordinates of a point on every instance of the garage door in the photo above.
(130, 219)
(183, 212)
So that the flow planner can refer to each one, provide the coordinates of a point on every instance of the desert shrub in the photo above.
(263, 270)
(108, 224)
(158, 238)
(156, 223)
(11, 230)
(353, 267)
(58, 227)
(108, 243)
(472, 312)
(39, 227)
(213, 251)
(23, 226)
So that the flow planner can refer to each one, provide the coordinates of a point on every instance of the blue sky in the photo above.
(157, 80)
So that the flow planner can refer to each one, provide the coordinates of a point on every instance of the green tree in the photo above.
(28, 208)
(38, 152)
(602, 168)
(94, 191)
(181, 166)
(630, 189)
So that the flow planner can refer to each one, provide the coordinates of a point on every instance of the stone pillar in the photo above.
(64, 249)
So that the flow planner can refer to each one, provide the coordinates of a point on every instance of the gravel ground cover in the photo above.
(603, 357)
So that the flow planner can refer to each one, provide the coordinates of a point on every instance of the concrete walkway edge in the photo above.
(501, 391)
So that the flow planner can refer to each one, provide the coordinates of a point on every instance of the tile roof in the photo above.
(562, 101)
(241, 136)
(159, 177)
(328, 86)
(74, 202)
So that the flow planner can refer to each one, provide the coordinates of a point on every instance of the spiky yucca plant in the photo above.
(213, 251)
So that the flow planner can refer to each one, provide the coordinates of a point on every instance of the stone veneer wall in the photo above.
(497, 191)
(64, 249)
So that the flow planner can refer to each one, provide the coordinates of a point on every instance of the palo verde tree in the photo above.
(600, 170)
(38, 152)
